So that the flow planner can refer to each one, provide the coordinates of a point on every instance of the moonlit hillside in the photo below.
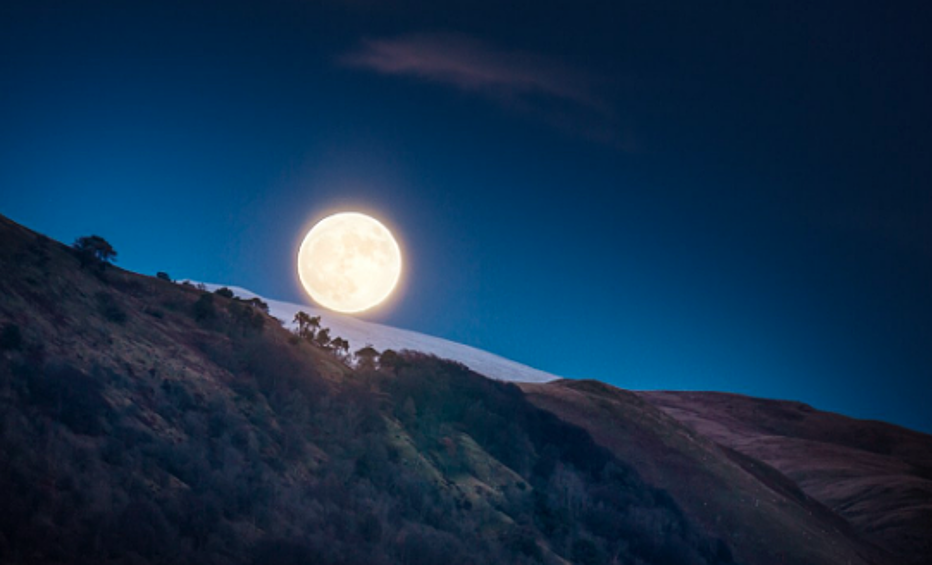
(552, 283)
(148, 422)
(360, 333)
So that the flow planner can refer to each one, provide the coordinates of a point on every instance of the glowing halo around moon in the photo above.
(349, 262)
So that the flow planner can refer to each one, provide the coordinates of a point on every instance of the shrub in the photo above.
(109, 308)
(258, 303)
(245, 317)
(162, 275)
(71, 397)
(204, 308)
(224, 292)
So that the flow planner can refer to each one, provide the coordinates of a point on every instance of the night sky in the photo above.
(730, 196)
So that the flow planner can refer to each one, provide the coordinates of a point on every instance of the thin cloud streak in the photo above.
(472, 65)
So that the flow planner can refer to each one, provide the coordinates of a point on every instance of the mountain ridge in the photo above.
(361, 333)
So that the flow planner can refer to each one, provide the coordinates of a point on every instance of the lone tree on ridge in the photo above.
(93, 249)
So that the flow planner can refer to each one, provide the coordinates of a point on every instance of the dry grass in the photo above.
(876, 475)
(758, 511)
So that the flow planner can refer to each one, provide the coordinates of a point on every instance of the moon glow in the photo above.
(349, 262)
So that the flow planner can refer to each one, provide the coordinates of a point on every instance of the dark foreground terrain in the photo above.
(143, 421)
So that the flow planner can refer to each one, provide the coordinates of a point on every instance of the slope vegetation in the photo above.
(143, 421)
(359, 333)
(763, 516)
(876, 475)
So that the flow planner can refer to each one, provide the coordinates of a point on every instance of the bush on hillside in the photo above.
(264, 460)
(224, 292)
(68, 395)
(108, 308)
(203, 309)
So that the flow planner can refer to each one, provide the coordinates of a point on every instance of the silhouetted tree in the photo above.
(389, 360)
(307, 325)
(94, 249)
(365, 357)
(163, 276)
(323, 338)
(245, 316)
(224, 292)
(340, 347)
(258, 303)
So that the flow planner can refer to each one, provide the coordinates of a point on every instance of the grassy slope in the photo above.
(876, 475)
(138, 427)
(763, 515)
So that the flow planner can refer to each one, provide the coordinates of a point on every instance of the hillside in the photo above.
(143, 421)
(876, 475)
(763, 516)
(359, 333)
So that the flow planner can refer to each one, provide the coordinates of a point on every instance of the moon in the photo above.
(349, 262)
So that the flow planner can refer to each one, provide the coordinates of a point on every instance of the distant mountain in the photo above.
(360, 333)
(144, 421)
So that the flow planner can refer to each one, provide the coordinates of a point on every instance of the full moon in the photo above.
(349, 262)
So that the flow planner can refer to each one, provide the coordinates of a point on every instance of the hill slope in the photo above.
(876, 475)
(763, 516)
(143, 421)
(359, 333)
(147, 422)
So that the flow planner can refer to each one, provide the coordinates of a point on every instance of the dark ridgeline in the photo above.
(143, 421)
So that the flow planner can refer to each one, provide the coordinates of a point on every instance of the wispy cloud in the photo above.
(469, 64)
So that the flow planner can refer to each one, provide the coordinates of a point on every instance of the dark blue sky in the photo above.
(675, 195)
